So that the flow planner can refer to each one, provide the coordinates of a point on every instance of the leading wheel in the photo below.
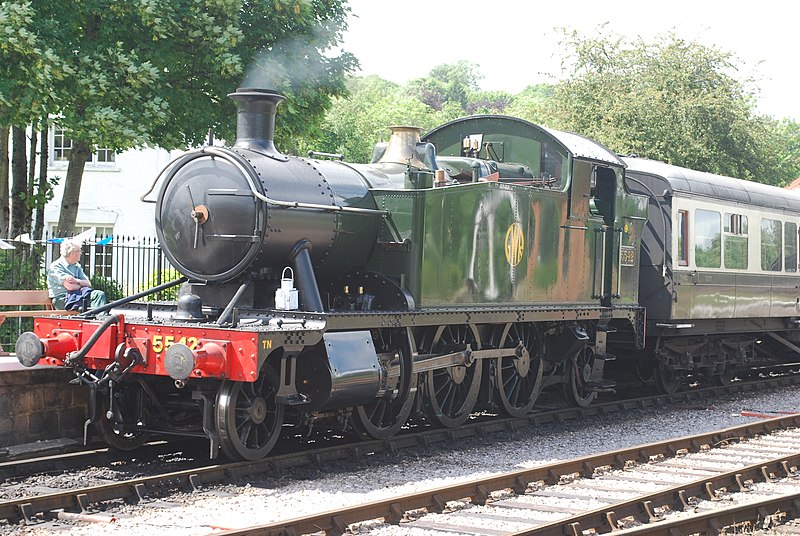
(385, 416)
(451, 392)
(577, 388)
(518, 378)
(248, 417)
(117, 426)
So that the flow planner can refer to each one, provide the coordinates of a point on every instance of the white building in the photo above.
(110, 203)
(111, 188)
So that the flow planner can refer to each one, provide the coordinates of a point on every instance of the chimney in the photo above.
(255, 119)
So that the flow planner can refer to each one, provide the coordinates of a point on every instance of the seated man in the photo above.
(67, 282)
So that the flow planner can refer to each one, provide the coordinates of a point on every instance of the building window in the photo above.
(683, 234)
(97, 259)
(735, 243)
(771, 259)
(104, 156)
(707, 245)
(62, 148)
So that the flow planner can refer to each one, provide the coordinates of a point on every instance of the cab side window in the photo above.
(602, 194)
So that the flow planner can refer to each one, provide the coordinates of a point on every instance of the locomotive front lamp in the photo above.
(180, 361)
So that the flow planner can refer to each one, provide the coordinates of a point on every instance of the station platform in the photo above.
(8, 363)
(39, 405)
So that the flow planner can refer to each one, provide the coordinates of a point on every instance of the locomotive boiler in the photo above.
(469, 268)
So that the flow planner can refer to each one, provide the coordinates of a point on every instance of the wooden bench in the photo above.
(35, 302)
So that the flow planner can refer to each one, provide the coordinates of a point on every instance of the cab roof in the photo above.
(575, 145)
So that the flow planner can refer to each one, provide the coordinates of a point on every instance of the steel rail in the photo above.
(769, 512)
(479, 491)
(20, 468)
(677, 498)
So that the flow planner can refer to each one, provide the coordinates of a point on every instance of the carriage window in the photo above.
(790, 246)
(735, 241)
(683, 233)
(707, 246)
(771, 258)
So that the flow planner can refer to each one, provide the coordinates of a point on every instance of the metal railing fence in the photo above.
(119, 265)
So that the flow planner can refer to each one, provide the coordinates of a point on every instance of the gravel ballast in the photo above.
(383, 476)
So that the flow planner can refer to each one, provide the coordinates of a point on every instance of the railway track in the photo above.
(30, 508)
(22, 467)
(584, 494)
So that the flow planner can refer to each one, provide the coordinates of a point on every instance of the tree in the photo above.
(532, 103)
(785, 141)
(156, 72)
(28, 72)
(20, 215)
(670, 100)
(5, 215)
(447, 83)
(355, 124)
(488, 102)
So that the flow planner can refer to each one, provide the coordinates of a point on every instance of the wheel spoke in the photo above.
(578, 392)
(384, 417)
(248, 417)
(451, 393)
(518, 379)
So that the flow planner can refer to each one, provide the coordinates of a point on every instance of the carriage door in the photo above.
(602, 201)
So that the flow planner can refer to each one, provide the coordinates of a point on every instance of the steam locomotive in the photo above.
(469, 268)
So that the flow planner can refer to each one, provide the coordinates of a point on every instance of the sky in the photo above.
(515, 43)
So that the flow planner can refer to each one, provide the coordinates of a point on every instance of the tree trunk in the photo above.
(19, 185)
(72, 188)
(43, 190)
(4, 199)
(32, 168)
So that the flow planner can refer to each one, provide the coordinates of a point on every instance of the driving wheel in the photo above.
(384, 416)
(518, 378)
(668, 380)
(451, 392)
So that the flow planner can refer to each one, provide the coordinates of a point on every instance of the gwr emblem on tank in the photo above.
(515, 244)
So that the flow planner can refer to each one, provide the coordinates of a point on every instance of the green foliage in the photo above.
(159, 278)
(670, 100)
(446, 83)
(20, 268)
(29, 66)
(112, 288)
(532, 103)
(488, 102)
(784, 139)
(157, 72)
(354, 125)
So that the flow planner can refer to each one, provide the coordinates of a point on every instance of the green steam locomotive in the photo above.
(468, 269)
